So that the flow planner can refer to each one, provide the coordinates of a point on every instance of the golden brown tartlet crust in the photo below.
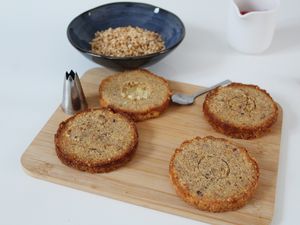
(72, 160)
(136, 115)
(202, 202)
(230, 128)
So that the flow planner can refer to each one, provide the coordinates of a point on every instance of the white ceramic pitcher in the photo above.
(251, 24)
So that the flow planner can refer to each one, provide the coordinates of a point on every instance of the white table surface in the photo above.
(35, 53)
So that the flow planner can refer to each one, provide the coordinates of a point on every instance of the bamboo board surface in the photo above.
(145, 181)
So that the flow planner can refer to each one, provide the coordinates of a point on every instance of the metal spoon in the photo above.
(184, 99)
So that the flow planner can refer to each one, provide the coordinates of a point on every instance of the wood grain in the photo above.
(145, 181)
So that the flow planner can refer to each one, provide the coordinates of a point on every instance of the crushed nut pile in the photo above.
(126, 41)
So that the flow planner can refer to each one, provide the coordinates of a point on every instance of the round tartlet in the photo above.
(139, 93)
(213, 174)
(240, 110)
(96, 140)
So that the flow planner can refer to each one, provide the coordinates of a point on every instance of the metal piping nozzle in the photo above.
(73, 96)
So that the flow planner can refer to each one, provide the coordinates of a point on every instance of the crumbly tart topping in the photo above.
(126, 42)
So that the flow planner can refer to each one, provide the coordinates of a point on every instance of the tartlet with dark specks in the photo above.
(240, 110)
(138, 93)
(213, 174)
(96, 140)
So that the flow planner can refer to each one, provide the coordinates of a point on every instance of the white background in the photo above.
(35, 53)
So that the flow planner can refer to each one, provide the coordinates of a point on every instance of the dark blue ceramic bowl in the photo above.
(82, 29)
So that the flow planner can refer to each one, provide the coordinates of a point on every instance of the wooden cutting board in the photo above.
(145, 181)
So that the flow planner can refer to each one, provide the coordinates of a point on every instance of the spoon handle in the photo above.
(225, 82)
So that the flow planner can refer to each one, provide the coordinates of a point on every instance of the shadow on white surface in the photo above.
(289, 124)
(285, 39)
(201, 50)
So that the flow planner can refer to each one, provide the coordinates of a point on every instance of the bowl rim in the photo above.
(127, 57)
